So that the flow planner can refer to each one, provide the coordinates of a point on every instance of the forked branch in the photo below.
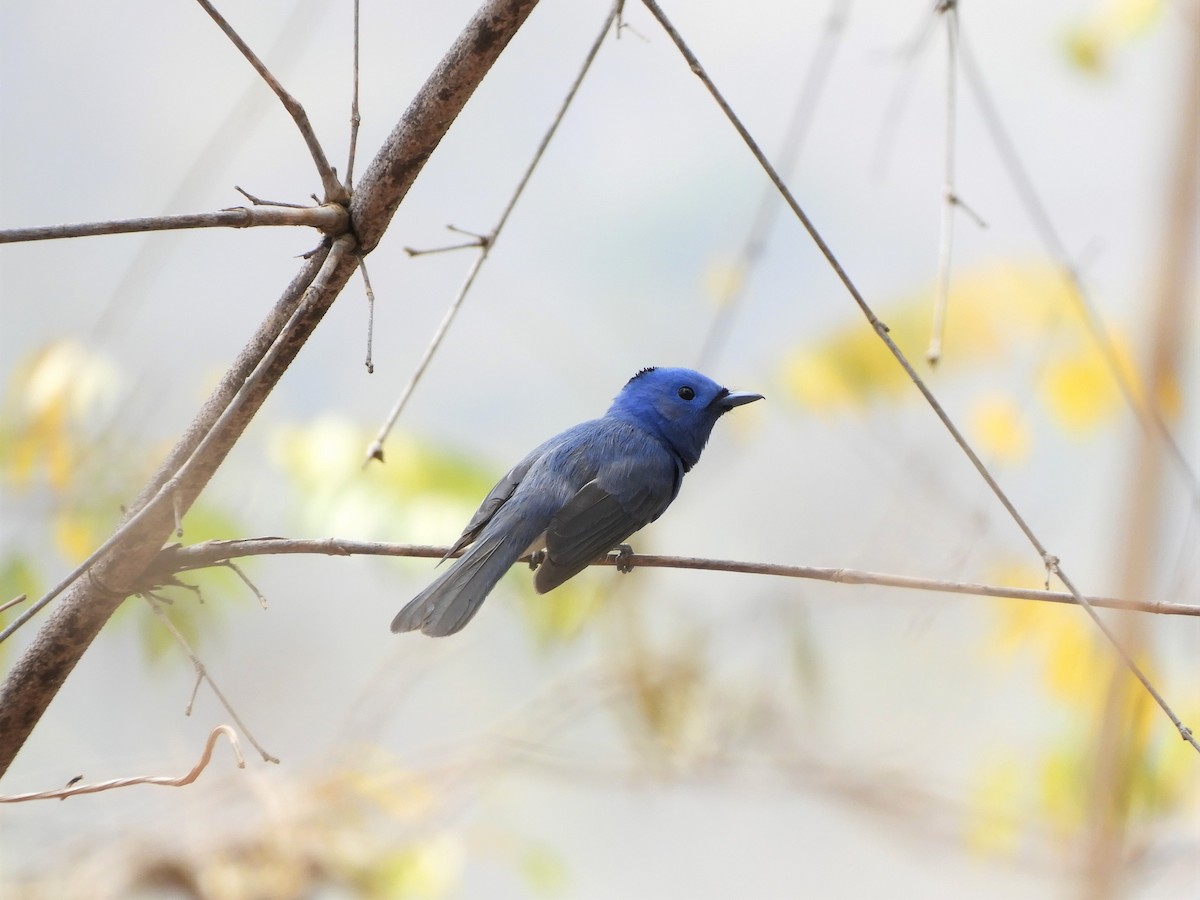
(91, 594)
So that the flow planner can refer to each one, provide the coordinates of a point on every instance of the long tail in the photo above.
(449, 602)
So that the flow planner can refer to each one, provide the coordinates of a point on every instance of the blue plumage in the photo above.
(580, 494)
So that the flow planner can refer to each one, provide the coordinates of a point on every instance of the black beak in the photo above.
(732, 399)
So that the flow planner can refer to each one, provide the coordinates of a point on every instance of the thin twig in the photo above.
(334, 192)
(465, 245)
(176, 559)
(237, 570)
(216, 432)
(15, 601)
(327, 218)
(355, 118)
(362, 267)
(202, 672)
(881, 330)
(162, 780)
(1143, 406)
(485, 244)
(259, 201)
(811, 88)
(941, 296)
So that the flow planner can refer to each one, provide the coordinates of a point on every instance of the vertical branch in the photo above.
(355, 118)
(941, 297)
(1119, 753)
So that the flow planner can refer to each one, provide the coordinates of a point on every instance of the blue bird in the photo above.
(580, 494)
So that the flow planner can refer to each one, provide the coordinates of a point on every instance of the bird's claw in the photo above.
(623, 557)
(536, 558)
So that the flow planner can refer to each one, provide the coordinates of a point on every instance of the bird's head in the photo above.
(678, 405)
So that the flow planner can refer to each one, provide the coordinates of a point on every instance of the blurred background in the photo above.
(665, 733)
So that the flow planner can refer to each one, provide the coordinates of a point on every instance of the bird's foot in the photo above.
(623, 554)
(536, 558)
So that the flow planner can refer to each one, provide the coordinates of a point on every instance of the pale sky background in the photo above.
(130, 109)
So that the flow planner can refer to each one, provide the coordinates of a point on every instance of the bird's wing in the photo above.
(602, 514)
(493, 501)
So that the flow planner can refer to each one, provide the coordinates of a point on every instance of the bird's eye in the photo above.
(686, 393)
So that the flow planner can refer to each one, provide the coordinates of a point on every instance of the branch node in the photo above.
(1050, 561)
(374, 452)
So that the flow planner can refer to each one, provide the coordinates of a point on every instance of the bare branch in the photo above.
(329, 218)
(485, 244)
(88, 602)
(334, 192)
(881, 330)
(177, 559)
(163, 780)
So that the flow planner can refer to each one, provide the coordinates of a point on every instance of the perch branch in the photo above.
(176, 559)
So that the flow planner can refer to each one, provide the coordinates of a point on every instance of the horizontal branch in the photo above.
(175, 559)
(329, 218)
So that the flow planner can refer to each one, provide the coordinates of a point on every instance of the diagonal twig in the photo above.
(163, 780)
(881, 330)
(485, 244)
(811, 88)
(334, 192)
(202, 673)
